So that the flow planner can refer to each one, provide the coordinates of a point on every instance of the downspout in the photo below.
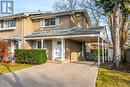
(22, 30)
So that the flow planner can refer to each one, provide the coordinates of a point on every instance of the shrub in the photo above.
(3, 50)
(96, 52)
(30, 56)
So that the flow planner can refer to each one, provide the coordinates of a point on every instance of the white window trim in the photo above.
(9, 28)
(4, 23)
(42, 24)
(4, 29)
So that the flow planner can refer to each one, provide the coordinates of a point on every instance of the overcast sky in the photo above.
(33, 5)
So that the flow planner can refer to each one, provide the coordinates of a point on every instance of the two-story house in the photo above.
(62, 34)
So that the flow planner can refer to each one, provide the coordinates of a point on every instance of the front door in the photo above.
(57, 49)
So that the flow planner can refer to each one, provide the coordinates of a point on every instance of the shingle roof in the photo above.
(44, 14)
(24, 14)
(41, 14)
(14, 38)
(66, 32)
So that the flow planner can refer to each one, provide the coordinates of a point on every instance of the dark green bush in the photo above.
(96, 52)
(30, 56)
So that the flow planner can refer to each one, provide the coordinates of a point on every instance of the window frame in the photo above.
(57, 22)
(7, 24)
(50, 22)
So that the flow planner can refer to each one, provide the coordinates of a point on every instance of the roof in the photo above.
(53, 14)
(14, 38)
(36, 15)
(39, 15)
(24, 14)
(66, 32)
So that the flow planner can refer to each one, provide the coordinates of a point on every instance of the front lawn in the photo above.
(112, 78)
(4, 68)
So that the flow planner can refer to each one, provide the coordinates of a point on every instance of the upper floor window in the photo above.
(9, 24)
(49, 22)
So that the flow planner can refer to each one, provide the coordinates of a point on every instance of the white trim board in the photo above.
(58, 37)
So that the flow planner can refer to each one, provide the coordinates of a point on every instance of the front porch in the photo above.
(60, 49)
(68, 44)
(69, 48)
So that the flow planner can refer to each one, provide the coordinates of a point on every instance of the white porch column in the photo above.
(98, 50)
(82, 50)
(42, 43)
(105, 52)
(62, 49)
(19, 44)
(102, 51)
(53, 49)
(12, 50)
(36, 44)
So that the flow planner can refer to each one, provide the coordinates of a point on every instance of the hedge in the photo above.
(30, 56)
(96, 52)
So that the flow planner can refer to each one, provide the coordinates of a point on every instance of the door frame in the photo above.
(54, 43)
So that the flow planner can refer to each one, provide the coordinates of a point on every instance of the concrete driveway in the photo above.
(79, 74)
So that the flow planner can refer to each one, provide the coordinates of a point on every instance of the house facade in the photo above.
(62, 34)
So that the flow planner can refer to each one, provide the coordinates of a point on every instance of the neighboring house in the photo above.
(62, 34)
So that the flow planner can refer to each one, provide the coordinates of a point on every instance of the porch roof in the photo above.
(66, 32)
(14, 38)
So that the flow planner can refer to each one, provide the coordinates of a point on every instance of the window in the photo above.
(39, 44)
(58, 42)
(9, 24)
(45, 44)
(49, 22)
(16, 44)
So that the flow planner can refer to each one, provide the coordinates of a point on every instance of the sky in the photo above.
(33, 5)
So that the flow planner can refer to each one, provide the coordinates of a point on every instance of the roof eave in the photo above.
(26, 14)
(45, 15)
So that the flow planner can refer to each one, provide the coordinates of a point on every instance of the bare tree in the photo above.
(118, 11)
(65, 5)
(96, 14)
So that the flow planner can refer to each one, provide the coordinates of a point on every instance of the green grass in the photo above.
(12, 67)
(112, 78)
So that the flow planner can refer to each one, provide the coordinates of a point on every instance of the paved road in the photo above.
(53, 75)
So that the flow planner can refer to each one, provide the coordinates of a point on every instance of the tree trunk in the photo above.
(123, 59)
(123, 36)
(117, 49)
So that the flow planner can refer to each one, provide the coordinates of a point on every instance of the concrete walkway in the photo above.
(78, 74)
